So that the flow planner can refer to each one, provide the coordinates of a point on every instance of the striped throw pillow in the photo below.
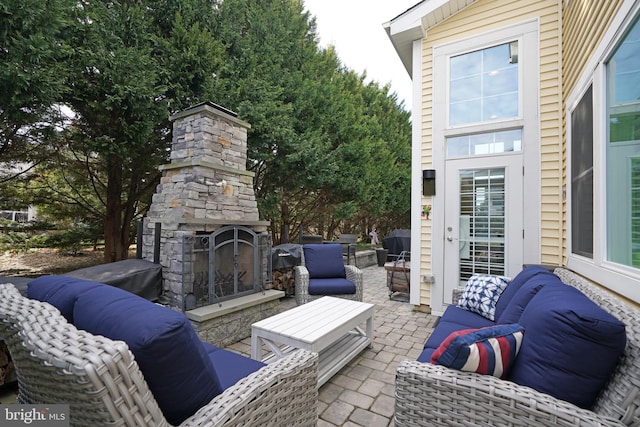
(487, 351)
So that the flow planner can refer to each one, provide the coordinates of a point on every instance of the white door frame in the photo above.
(527, 35)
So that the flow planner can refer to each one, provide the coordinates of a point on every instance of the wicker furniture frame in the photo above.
(437, 396)
(301, 279)
(100, 379)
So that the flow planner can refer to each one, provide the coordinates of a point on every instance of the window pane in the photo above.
(482, 222)
(623, 71)
(484, 143)
(582, 177)
(623, 151)
(484, 85)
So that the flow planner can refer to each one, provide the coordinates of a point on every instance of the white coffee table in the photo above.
(328, 326)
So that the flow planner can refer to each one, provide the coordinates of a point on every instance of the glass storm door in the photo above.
(483, 220)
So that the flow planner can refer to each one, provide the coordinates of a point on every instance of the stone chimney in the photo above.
(206, 186)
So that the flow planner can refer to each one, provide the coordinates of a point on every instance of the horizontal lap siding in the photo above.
(584, 24)
(427, 163)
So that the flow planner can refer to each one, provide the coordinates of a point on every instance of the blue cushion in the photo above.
(231, 367)
(487, 351)
(453, 319)
(324, 261)
(465, 318)
(337, 286)
(516, 283)
(60, 291)
(175, 365)
(571, 345)
(427, 353)
(526, 292)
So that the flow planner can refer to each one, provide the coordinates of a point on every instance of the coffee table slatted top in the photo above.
(315, 325)
(328, 326)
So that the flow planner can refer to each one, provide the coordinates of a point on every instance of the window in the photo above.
(623, 151)
(483, 85)
(582, 176)
(484, 143)
(603, 139)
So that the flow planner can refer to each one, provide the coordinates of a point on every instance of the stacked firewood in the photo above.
(283, 280)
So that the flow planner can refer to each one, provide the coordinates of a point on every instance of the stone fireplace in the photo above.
(213, 247)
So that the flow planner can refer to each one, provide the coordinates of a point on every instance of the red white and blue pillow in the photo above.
(487, 351)
(481, 294)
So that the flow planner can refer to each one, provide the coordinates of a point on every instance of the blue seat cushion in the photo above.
(60, 291)
(517, 282)
(324, 261)
(453, 319)
(170, 355)
(571, 345)
(339, 286)
(230, 367)
(465, 318)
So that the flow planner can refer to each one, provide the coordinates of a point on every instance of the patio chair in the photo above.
(348, 243)
(322, 273)
(100, 380)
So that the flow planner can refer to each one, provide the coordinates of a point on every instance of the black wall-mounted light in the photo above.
(429, 182)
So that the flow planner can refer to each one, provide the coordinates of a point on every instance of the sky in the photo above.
(354, 27)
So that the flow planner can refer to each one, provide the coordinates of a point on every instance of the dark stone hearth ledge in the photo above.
(204, 163)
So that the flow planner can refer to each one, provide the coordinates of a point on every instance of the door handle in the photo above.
(450, 238)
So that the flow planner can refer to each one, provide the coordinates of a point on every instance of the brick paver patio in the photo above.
(362, 393)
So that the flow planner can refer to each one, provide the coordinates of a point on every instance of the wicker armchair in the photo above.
(301, 280)
(100, 379)
(433, 395)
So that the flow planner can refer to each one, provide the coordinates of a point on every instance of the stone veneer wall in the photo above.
(206, 186)
(233, 327)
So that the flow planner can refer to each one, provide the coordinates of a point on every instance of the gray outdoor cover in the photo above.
(286, 255)
(397, 241)
(137, 276)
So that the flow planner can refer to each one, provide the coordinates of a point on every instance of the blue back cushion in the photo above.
(172, 358)
(524, 295)
(324, 261)
(571, 345)
(517, 282)
(60, 291)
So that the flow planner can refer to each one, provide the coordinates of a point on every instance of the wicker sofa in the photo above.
(103, 384)
(431, 394)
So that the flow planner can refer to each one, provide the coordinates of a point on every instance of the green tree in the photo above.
(32, 71)
(316, 160)
(330, 151)
(133, 64)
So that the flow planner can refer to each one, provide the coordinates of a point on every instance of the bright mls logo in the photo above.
(34, 415)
